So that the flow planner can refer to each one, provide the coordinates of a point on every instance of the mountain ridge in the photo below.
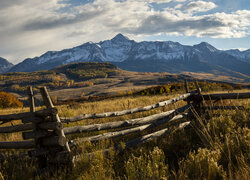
(5, 65)
(126, 53)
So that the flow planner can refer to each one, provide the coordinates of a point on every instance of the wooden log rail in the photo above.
(119, 133)
(50, 141)
(31, 126)
(140, 140)
(16, 128)
(151, 136)
(125, 123)
(224, 107)
(221, 96)
(25, 115)
(129, 111)
(17, 144)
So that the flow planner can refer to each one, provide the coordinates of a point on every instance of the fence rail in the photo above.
(25, 115)
(124, 123)
(114, 134)
(17, 144)
(129, 111)
(46, 138)
(222, 96)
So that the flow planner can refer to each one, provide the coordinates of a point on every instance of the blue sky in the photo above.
(29, 28)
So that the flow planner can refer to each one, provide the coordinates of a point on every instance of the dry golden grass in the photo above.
(107, 105)
(236, 78)
(214, 149)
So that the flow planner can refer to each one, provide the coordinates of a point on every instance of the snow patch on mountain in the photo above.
(5, 65)
(243, 55)
(121, 49)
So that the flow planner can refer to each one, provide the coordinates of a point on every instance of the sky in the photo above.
(29, 28)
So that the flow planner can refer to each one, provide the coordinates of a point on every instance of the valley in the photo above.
(86, 79)
(92, 80)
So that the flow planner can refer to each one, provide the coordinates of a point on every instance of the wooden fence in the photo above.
(44, 135)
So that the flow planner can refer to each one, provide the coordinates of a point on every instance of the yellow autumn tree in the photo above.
(7, 100)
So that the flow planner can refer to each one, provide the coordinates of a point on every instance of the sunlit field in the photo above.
(217, 147)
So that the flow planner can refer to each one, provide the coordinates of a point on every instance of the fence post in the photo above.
(41, 157)
(48, 134)
(197, 87)
(48, 103)
(31, 99)
(187, 90)
(198, 102)
(62, 155)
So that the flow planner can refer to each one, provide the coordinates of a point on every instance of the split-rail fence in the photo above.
(45, 138)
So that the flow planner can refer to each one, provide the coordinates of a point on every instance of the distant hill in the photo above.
(61, 76)
(88, 78)
(5, 65)
(147, 56)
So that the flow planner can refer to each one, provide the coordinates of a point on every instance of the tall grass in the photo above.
(215, 146)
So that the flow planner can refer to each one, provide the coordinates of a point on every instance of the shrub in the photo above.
(202, 165)
(235, 156)
(237, 86)
(147, 166)
(7, 100)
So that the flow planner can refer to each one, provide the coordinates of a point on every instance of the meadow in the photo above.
(215, 146)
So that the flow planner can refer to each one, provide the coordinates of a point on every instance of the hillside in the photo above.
(5, 65)
(88, 79)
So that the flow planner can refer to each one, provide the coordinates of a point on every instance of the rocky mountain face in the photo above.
(4, 65)
(242, 55)
(146, 56)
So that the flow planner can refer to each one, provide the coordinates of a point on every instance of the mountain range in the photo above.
(4, 65)
(146, 56)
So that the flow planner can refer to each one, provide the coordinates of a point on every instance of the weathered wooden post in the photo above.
(187, 90)
(55, 118)
(31, 99)
(41, 156)
(197, 87)
(63, 153)
(190, 115)
(51, 146)
(197, 101)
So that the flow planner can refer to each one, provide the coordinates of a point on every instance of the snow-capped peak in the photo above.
(121, 49)
(243, 55)
(4, 65)
(120, 37)
(206, 46)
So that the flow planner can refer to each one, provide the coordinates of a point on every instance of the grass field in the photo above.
(79, 80)
(85, 79)
(214, 148)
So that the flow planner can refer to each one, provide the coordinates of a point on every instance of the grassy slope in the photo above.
(214, 149)
(88, 79)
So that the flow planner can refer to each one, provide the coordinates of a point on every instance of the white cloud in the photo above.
(199, 6)
(159, 1)
(29, 27)
(180, 0)
(162, 1)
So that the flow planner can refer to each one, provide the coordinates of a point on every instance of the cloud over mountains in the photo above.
(30, 27)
